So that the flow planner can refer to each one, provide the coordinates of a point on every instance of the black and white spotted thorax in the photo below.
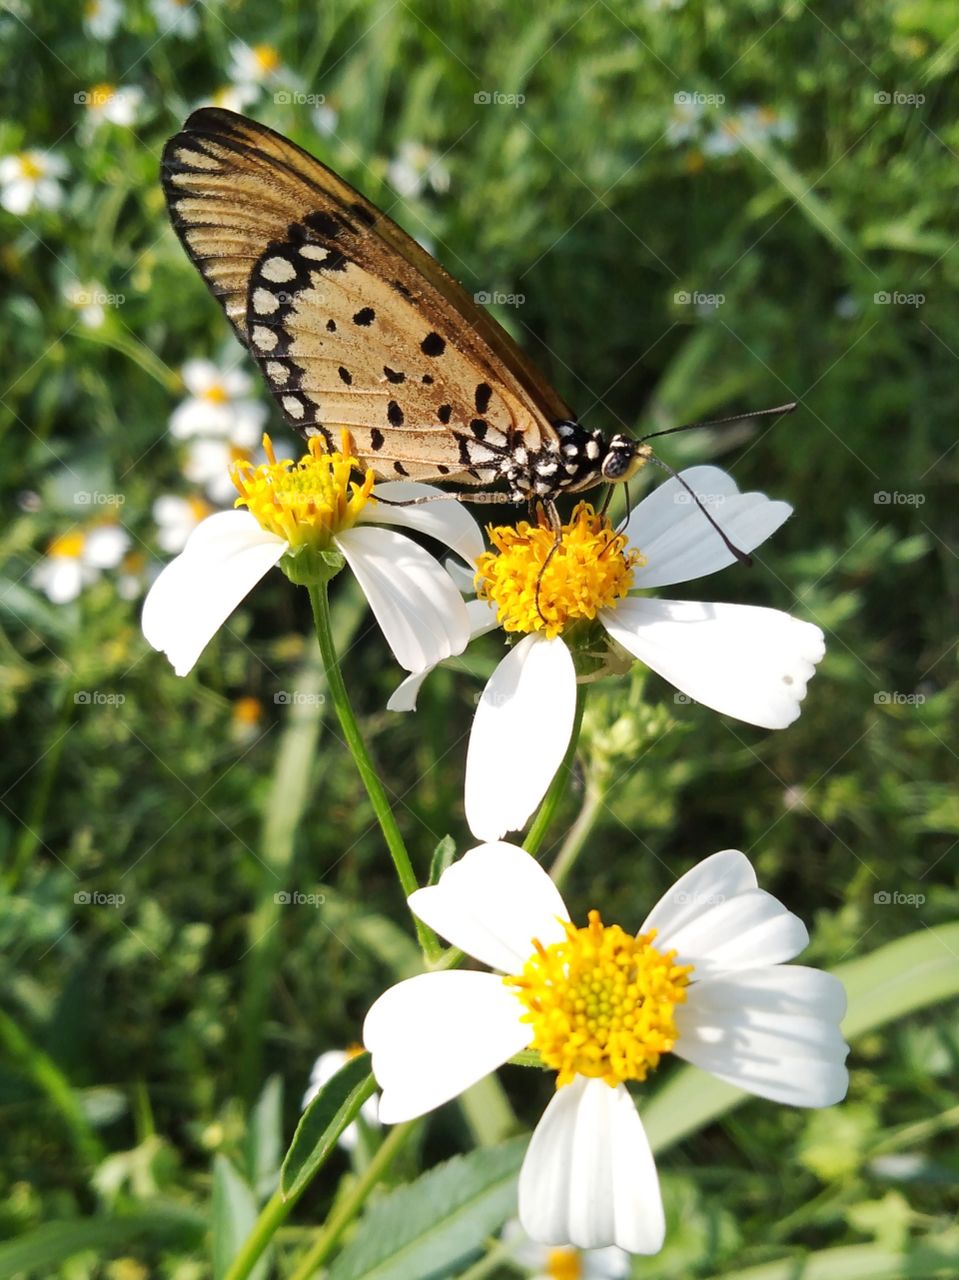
(576, 460)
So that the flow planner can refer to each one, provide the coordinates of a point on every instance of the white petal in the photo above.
(716, 878)
(106, 546)
(492, 904)
(749, 929)
(433, 1036)
(18, 196)
(520, 734)
(678, 541)
(442, 518)
(482, 619)
(419, 610)
(225, 557)
(200, 375)
(588, 1178)
(741, 660)
(771, 1031)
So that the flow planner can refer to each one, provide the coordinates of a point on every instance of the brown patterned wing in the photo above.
(352, 322)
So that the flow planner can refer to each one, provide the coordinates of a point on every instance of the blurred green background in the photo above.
(679, 211)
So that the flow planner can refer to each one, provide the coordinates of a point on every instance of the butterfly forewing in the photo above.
(351, 321)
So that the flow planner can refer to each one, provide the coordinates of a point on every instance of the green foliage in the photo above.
(152, 979)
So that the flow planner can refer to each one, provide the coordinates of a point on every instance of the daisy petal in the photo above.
(482, 619)
(492, 904)
(749, 929)
(741, 660)
(588, 1178)
(224, 558)
(442, 517)
(716, 878)
(420, 612)
(531, 698)
(771, 1031)
(676, 538)
(433, 1036)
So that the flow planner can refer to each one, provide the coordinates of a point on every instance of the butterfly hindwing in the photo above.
(351, 321)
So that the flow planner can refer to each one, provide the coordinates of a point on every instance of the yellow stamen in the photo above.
(100, 94)
(247, 711)
(589, 570)
(304, 502)
(267, 58)
(564, 1264)
(28, 167)
(68, 546)
(216, 393)
(601, 1002)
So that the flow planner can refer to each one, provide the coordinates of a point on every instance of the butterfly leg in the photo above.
(556, 524)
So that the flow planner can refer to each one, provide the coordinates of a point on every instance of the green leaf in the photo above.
(443, 855)
(265, 1138)
(323, 1121)
(234, 1213)
(898, 979)
(432, 1226)
(934, 1259)
(44, 1249)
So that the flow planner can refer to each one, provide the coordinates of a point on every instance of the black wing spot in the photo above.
(479, 428)
(364, 214)
(364, 317)
(345, 376)
(324, 223)
(376, 439)
(331, 326)
(433, 345)
(401, 288)
(334, 261)
(484, 393)
(443, 471)
(400, 469)
(395, 414)
(444, 413)
(392, 375)
(427, 379)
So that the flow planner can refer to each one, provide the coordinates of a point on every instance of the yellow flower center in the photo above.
(100, 95)
(304, 502)
(68, 546)
(216, 393)
(601, 1002)
(199, 507)
(564, 1264)
(29, 167)
(247, 711)
(267, 58)
(538, 584)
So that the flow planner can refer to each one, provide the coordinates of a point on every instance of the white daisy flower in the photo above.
(547, 1262)
(219, 404)
(414, 168)
(303, 515)
(76, 559)
(704, 978)
(325, 1068)
(749, 127)
(177, 17)
(30, 180)
(231, 97)
(741, 660)
(176, 518)
(89, 300)
(325, 119)
(207, 464)
(108, 103)
(101, 18)
(254, 64)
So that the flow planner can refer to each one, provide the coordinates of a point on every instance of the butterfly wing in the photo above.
(352, 322)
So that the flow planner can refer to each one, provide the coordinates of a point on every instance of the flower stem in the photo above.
(320, 600)
(557, 788)
(579, 832)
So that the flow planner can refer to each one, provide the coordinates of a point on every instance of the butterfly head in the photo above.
(624, 457)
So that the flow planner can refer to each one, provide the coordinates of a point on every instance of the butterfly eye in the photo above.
(622, 461)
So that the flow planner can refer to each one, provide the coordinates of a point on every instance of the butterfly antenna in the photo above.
(742, 556)
(721, 422)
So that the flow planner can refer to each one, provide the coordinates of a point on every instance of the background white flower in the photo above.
(76, 559)
(176, 518)
(101, 18)
(588, 1178)
(546, 1262)
(177, 17)
(219, 404)
(107, 103)
(325, 1068)
(415, 168)
(30, 179)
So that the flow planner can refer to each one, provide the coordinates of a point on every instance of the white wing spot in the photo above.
(278, 270)
(592, 450)
(316, 252)
(264, 338)
(293, 407)
(277, 372)
(264, 302)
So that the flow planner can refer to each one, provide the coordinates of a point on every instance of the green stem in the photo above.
(272, 1216)
(349, 1206)
(557, 788)
(320, 600)
(579, 832)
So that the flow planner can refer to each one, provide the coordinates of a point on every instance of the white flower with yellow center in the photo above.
(548, 1262)
(101, 18)
(177, 17)
(256, 64)
(30, 180)
(744, 661)
(176, 518)
(219, 405)
(112, 104)
(324, 1069)
(311, 517)
(76, 559)
(704, 978)
(415, 168)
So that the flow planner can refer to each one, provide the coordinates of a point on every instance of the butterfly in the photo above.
(355, 325)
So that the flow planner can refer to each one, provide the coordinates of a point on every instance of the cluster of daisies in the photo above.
(704, 976)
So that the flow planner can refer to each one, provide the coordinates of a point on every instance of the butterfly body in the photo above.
(354, 325)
